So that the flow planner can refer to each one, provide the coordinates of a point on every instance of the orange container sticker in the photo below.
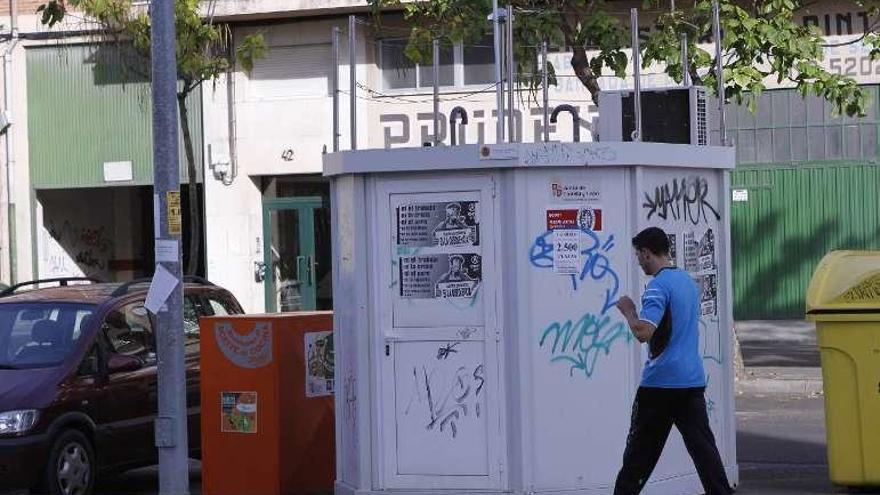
(238, 412)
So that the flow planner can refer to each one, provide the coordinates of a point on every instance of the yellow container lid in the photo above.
(845, 281)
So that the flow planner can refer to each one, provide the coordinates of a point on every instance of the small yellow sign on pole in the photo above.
(174, 216)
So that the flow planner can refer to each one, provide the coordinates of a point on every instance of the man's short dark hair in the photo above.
(653, 239)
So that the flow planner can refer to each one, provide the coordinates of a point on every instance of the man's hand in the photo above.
(642, 330)
(627, 307)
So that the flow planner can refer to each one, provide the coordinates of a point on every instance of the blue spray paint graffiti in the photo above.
(711, 343)
(580, 344)
(596, 265)
(712, 353)
(710, 404)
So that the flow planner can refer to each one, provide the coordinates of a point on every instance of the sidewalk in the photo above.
(780, 357)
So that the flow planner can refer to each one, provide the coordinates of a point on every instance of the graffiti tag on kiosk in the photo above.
(596, 267)
(685, 199)
(446, 403)
(580, 344)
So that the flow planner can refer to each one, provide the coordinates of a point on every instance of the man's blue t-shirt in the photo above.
(671, 303)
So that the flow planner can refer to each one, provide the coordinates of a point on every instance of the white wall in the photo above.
(21, 183)
(270, 8)
(283, 121)
(233, 222)
(284, 106)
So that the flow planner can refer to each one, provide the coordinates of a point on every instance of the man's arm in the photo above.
(641, 329)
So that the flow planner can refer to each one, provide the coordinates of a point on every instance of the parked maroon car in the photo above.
(78, 382)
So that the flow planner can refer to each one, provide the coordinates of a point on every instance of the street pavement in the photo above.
(778, 344)
(779, 414)
(780, 450)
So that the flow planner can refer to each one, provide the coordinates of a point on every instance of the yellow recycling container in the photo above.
(844, 301)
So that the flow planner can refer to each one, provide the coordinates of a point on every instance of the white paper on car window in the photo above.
(160, 289)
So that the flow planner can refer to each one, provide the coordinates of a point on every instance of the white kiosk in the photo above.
(478, 346)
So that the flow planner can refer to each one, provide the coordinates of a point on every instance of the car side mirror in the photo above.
(120, 363)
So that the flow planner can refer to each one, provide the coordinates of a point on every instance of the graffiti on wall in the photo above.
(443, 400)
(580, 344)
(596, 265)
(685, 199)
(90, 248)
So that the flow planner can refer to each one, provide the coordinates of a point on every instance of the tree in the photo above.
(203, 54)
(761, 40)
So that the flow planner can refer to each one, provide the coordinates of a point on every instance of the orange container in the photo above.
(267, 404)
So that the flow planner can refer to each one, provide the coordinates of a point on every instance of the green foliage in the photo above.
(761, 42)
(202, 47)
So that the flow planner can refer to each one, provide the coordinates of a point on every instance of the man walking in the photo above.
(673, 381)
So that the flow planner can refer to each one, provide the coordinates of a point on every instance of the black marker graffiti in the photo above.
(684, 200)
(446, 350)
(454, 403)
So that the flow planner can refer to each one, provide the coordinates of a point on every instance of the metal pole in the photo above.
(511, 78)
(685, 74)
(13, 17)
(436, 92)
(335, 80)
(545, 82)
(637, 73)
(719, 70)
(499, 90)
(171, 433)
(10, 140)
(352, 81)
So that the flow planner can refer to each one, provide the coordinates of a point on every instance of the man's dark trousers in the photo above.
(654, 412)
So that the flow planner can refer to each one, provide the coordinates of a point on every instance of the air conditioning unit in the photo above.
(669, 115)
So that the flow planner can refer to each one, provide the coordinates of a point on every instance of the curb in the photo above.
(788, 387)
(790, 381)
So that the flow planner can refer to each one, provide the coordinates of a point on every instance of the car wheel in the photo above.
(71, 467)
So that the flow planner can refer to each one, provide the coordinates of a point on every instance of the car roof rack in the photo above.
(123, 289)
(62, 281)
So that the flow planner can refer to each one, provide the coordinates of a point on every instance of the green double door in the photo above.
(296, 254)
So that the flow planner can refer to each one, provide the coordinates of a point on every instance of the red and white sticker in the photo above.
(574, 219)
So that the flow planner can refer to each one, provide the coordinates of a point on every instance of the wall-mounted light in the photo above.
(220, 166)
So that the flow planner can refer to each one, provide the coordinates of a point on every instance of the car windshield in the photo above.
(40, 335)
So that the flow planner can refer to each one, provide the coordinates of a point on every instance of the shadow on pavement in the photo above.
(754, 448)
(764, 353)
(145, 482)
(770, 465)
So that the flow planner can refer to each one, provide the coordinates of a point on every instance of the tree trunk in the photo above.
(581, 65)
(195, 215)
